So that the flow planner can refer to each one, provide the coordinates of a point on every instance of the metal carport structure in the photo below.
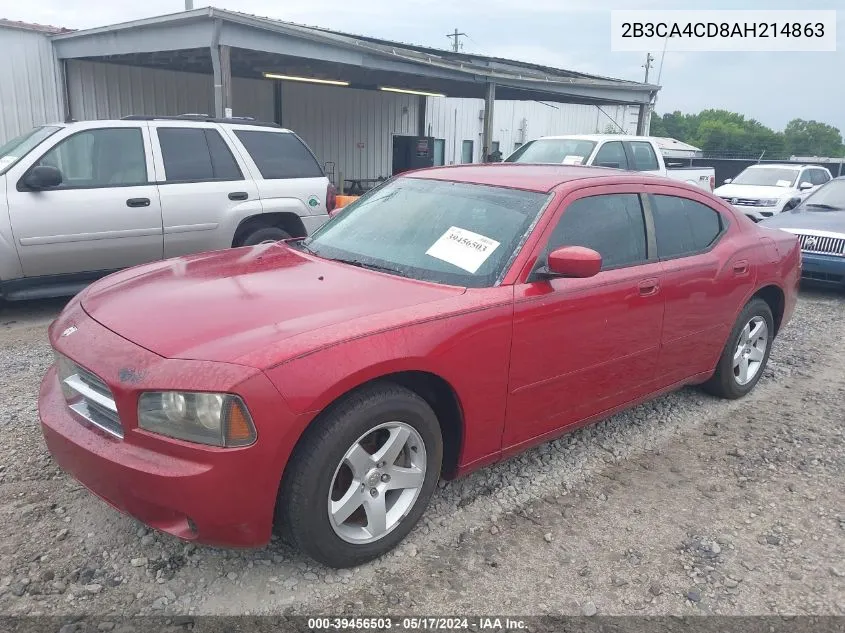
(225, 44)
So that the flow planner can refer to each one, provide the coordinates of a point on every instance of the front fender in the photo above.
(470, 351)
(10, 263)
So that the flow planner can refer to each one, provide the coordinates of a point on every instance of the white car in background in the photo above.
(761, 191)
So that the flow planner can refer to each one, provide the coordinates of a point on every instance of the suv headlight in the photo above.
(769, 202)
(217, 419)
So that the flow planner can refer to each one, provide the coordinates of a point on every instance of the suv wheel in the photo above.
(362, 476)
(264, 234)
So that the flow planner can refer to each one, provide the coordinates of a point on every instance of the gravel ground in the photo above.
(685, 505)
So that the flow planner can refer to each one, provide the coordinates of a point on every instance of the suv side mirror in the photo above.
(727, 181)
(805, 185)
(791, 203)
(42, 177)
(573, 261)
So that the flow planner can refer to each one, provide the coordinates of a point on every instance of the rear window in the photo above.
(279, 154)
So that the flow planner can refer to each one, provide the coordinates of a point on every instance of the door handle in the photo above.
(741, 267)
(138, 202)
(238, 195)
(648, 287)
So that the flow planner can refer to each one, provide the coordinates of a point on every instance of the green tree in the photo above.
(811, 138)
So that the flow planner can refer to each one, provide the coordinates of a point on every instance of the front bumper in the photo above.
(206, 494)
(823, 269)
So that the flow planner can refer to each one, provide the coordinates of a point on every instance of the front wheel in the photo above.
(263, 235)
(746, 353)
(362, 476)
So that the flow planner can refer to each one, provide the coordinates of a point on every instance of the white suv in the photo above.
(79, 200)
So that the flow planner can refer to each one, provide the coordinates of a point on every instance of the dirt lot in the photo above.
(685, 505)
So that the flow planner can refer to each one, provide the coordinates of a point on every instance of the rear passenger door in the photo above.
(289, 178)
(704, 280)
(204, 187)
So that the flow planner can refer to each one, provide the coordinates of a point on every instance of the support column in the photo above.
(487, 131)
(220, 63)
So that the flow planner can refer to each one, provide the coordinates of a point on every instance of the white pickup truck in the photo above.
(634, 153)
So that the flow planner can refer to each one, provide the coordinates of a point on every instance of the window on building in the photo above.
(613, 225)
(439, 151)
(683, 226)
(196, 154)
(466, 152)
(100, 158)
(279, 154)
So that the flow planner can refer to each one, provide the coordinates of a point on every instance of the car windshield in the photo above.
(17, 148)
(445, 232)
(831, 197)
(767, 177)
(569, 151)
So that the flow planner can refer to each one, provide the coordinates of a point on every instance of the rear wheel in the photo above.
(746, 353)
(362, 476)
(264, 234)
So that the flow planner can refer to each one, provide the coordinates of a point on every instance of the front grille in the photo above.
(89, 397)
(742, 202)
(822, 245)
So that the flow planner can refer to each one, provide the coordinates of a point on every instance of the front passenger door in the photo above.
(583, 346)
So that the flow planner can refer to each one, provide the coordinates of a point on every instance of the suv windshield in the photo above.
(446, 232)
(569, 151)
(831, 197)
(767, 177)
(17, 148)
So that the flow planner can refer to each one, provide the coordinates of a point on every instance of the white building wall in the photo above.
(111, 91)
(29, 82)
(351, 128)
(456, 120)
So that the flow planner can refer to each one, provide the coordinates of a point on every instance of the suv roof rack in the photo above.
(200, 117)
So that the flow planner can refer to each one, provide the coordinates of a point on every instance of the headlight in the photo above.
(218, 419)
(770, 202)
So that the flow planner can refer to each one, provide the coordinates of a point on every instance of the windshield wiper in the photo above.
(360, 264)
(301, 244)
(821, 205)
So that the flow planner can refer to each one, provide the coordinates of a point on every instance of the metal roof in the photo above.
(157, 41)
(30, 26)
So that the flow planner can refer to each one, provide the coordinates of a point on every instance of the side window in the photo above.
(611, 224)
(108, 157)
(806, 176)
(279, 155)
(683, 226)
(611, 154)
(643, 156)
(192, 154)
(818, 177)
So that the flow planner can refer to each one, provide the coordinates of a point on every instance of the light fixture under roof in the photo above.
(412, 92)
(309, 80)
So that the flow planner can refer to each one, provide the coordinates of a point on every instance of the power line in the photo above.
(457, 45)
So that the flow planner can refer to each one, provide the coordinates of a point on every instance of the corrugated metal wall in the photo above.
(457, 120)
(29, 82)
(351, 128)
(110, 91)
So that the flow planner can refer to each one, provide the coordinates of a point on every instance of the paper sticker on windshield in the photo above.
(463, 248)
(783, 183)
(573, 160)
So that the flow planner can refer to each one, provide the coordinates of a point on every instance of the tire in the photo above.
(728, 381)
(264, 234)
(320, 475)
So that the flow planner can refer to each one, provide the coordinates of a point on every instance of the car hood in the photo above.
(225, 305)
(799, 219)
(756, 192)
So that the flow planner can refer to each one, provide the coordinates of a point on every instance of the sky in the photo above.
(572, 34)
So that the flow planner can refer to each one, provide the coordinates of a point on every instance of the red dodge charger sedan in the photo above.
(447, 319)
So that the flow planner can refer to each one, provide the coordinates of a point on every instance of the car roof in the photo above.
(597, 137)
(779, 166)
(528, 176)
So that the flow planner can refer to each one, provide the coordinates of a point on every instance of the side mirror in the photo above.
(573, 261)
(727, 181)
(805, 185)
(792, 203)
(42, 177)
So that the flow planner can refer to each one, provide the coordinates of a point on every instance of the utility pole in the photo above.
(456, 44)
(648, 59)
